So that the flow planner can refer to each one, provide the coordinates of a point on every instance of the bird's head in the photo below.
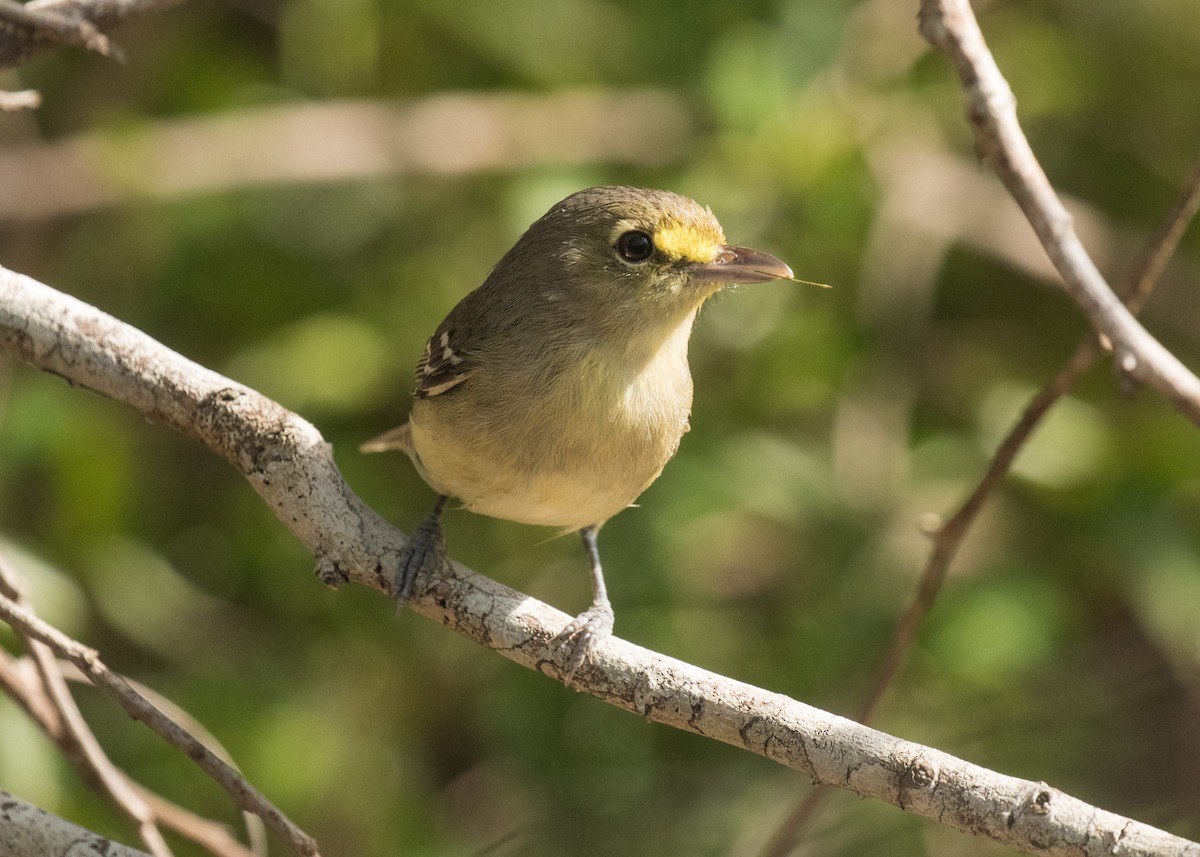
(630, 256)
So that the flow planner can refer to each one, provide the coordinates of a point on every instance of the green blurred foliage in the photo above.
(782, 543)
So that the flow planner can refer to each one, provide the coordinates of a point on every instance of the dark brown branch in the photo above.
(1164, 242)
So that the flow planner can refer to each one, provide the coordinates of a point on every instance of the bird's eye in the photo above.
(635, 246)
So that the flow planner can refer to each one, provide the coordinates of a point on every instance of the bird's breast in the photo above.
(564, 446)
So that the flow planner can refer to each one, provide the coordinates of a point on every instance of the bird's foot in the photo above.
(583, 634)
(423, 554)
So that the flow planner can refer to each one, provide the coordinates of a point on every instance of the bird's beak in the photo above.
(742, 265)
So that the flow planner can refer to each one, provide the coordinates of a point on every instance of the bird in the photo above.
(555, 393)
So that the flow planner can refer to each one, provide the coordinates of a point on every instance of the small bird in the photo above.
(557, 391)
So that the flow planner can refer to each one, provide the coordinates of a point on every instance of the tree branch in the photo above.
(27, 30)
(38, 684)
(74, 734)
(26, 99)
(29, 830)
(949, 535)
(139, 708)
(52, 27)
(289, 465)
(272, 145)
(950, 26)
(975, 65)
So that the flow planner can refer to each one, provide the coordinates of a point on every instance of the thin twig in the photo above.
(208, 834)
(948, 536)
(950, 26)
(197, 828)
(81, 743)
(20, 682)
(1164, 242)
(115, 784)
(139, 708)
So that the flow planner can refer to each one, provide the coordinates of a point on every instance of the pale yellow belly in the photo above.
(569, 458)
(540, 477)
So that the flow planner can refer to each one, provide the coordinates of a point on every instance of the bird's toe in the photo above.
(583, 634)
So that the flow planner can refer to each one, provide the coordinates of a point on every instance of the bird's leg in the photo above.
(591, 626)
(423, 553)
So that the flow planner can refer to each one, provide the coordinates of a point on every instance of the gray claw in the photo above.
(583, 634)
(423, 554)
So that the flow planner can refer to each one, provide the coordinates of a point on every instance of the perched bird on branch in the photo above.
(555, 392)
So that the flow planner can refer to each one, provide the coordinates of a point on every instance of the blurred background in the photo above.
(294, 194)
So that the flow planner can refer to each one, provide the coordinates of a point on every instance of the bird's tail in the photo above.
(398, 438)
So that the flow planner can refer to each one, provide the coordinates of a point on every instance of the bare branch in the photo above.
(81, 738)
(208, 834)
(50, 26)
(27, 30)
(948, 535)
(290, 466)
(1164, 242)
(20, 682)
(29, 830)
(78, 739)
(26, 99)
(139, 708)
(20, 679)
(950, 26)
(259, 146)
(34, 682)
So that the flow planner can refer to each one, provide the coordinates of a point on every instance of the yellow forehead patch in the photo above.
(690, 242)
(686, 239)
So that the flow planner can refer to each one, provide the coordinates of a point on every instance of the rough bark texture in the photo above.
(27, 831)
